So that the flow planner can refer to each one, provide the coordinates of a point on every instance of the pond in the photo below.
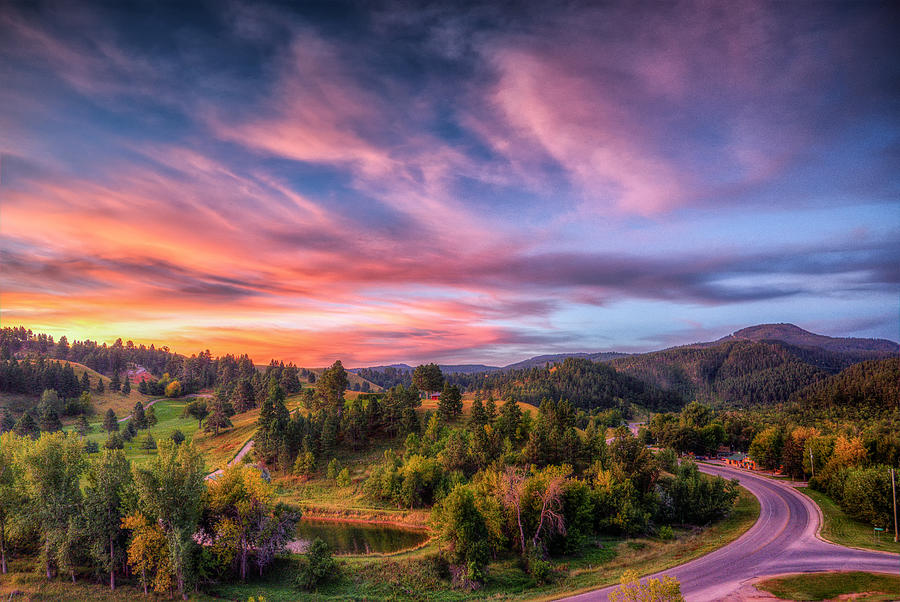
(346, 537)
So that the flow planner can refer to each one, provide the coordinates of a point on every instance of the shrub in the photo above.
(666, 533)
(317, 567)
(305, 465)
(91, 447)
(114, 441)
(177, 436)
(333, 468)
(149, 442)
(633, 590)
(343, 478)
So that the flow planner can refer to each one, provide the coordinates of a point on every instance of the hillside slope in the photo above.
(869, 387)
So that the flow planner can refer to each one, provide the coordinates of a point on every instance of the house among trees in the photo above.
(741, 461)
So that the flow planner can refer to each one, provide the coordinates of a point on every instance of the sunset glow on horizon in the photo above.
(379, 183)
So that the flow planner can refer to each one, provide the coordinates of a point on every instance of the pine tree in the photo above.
(478, 416)
(218, 419)
(82, 426)
(114, 383)
(126, 387)
(150, 417)
(129, 432)
(138, 417)
(490, 409)
(101, 388)
(450, 403)
(50, 422)
(110, 422)
(85, 381)
(27, 426)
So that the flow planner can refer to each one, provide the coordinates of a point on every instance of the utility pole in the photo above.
(812, 465)
(894, 492)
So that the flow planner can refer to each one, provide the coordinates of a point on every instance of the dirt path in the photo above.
(235, 460)
(150, 403)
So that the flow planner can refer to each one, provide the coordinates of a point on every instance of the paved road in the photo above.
(782, 541)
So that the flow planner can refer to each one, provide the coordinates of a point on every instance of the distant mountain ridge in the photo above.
(794, 335)
(538, 360)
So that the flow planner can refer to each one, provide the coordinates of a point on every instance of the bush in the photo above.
(539, 569)
(177, 436)
(114, 441)
(91, 447)
(343, 478)
(305, 465)
(334, 467)
(666, 533)
(633, 590)
(317, 567)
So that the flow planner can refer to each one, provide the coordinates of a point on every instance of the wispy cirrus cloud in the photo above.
(443, 184)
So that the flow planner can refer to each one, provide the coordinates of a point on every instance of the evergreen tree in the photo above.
(490, 409)
(101, 388)
(114, 383)
(27, 426)
(218, 419)
(126, 386)
(478, 417)
(110, 422)
(114, 441)
(82, 426)
(450, 404)
(50, 422)
(271, 426)
(138, 417)
(331, 386)
(510, 420)
(130, 431)
(428, 378)
(150, 417)
(177, 437)
(85, 381)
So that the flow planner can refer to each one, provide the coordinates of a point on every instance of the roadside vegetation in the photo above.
(829, 586)
(844, 530)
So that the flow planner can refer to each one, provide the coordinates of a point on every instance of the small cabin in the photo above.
(435, 396)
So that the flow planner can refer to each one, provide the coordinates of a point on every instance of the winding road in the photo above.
(782, 541)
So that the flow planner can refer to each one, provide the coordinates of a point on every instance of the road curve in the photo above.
(782, 541)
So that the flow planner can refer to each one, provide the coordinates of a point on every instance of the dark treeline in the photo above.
(388, 377)
(587, 384)
(34, 377)
(237, 375)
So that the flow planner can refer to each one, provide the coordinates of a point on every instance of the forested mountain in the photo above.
(542, 360)
(860, 349)
(735, 373)
(871, 388)
(585, 383)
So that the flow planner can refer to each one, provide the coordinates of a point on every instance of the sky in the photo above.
(409, 182)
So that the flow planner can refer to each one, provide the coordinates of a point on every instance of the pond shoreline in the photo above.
(367, 516)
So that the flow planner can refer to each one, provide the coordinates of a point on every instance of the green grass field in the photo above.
(846, 531)
(828, 586)
(168, 414)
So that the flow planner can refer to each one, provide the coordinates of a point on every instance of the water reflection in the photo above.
(356, 538)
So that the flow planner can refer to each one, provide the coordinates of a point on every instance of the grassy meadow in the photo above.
(847, 531)
(830, 586)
